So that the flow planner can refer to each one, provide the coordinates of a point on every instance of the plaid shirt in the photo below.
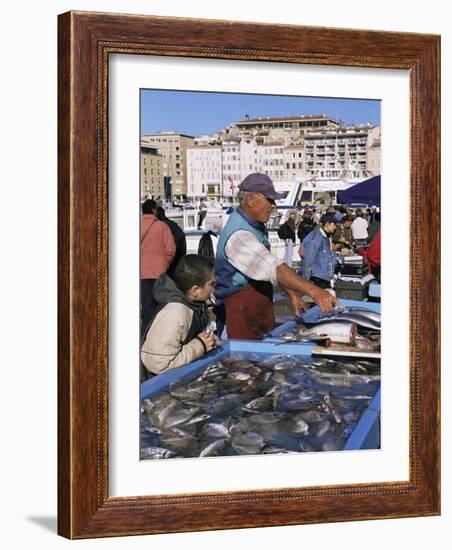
(251, 257)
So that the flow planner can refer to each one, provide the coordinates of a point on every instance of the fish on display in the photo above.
(248, 443)
(240, 406)
(213, 448)
(358, 317)
(340, 333)
(338, 312)
(156, 452)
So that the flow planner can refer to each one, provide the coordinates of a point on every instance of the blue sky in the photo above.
(197, 113)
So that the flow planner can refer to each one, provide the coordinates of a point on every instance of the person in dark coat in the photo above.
(179, 238)
(306, 225)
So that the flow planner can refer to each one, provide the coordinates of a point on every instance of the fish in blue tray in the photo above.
(264, 403)
(334, 442)
(214, 430)
(248, 443)
(224, 404)
(285, 403)
(179, 443)
(178, 415)
(156, 452)
(294, 424)
(214, 448)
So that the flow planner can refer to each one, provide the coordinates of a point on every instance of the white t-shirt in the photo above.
(359, 228)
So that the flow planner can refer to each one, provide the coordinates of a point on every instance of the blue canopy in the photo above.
(367, 192)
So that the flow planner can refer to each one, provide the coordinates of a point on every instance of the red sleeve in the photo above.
(168, 242)
(374, 251)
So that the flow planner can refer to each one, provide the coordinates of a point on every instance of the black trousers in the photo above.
(201, 215)
(321, 283)
(147, 302)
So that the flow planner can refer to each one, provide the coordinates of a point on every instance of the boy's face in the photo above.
(202, 293)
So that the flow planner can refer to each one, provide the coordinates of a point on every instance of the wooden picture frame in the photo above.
(86, 40)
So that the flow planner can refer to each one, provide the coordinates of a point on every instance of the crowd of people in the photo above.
(323, 236)
(176, 286)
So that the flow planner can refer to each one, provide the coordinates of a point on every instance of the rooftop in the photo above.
(286, 119)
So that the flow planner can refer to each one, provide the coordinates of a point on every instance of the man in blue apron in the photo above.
(246, 270)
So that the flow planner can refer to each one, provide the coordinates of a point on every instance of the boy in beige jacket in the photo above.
(177, 333)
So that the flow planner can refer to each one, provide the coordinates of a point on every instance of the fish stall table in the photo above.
(362, 433)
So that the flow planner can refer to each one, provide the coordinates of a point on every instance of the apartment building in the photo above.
(288, 129)
(337, 152)
(152, 183)
(294, 162)
(204, 171)
(231, 169)
(172, 146)
(271, 159)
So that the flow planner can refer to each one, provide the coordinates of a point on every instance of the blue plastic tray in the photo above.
(366, 434)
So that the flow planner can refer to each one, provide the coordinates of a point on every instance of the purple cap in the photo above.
(260, 183)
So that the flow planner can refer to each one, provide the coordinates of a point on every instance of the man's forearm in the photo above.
(288, 279)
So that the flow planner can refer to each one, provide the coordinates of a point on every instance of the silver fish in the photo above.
(179, 416)
(355, 318)
(215, 430)
(341, 333)
(295, 424)
(239, 376)
(322, 428)
(260, 404)
(197, 419)
(213, 448)
(370, 314)
(152, 430)
(271, 449)
(179, 444)
(333, 443)
(224, 404)
(266, 418)
(307, 394)
(156, 452)
(147, 405)
(367, 312)
(307, 446)
(184, 392)
(248, 443)
(331, 409)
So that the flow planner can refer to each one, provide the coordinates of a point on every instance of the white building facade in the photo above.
(204, 171)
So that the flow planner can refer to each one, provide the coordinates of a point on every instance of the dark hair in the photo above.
(191, 270)
(347, 218)
(160, 213)
(327, 218)
(149, 206)
(358, 213)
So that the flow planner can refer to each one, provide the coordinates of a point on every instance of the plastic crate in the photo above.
(351, 290)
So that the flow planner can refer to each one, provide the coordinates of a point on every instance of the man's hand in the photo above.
(291, 282)
(208, 339)
(324, 299)
(298, 303)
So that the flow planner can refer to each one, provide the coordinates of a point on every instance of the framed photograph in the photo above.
(106, 61)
